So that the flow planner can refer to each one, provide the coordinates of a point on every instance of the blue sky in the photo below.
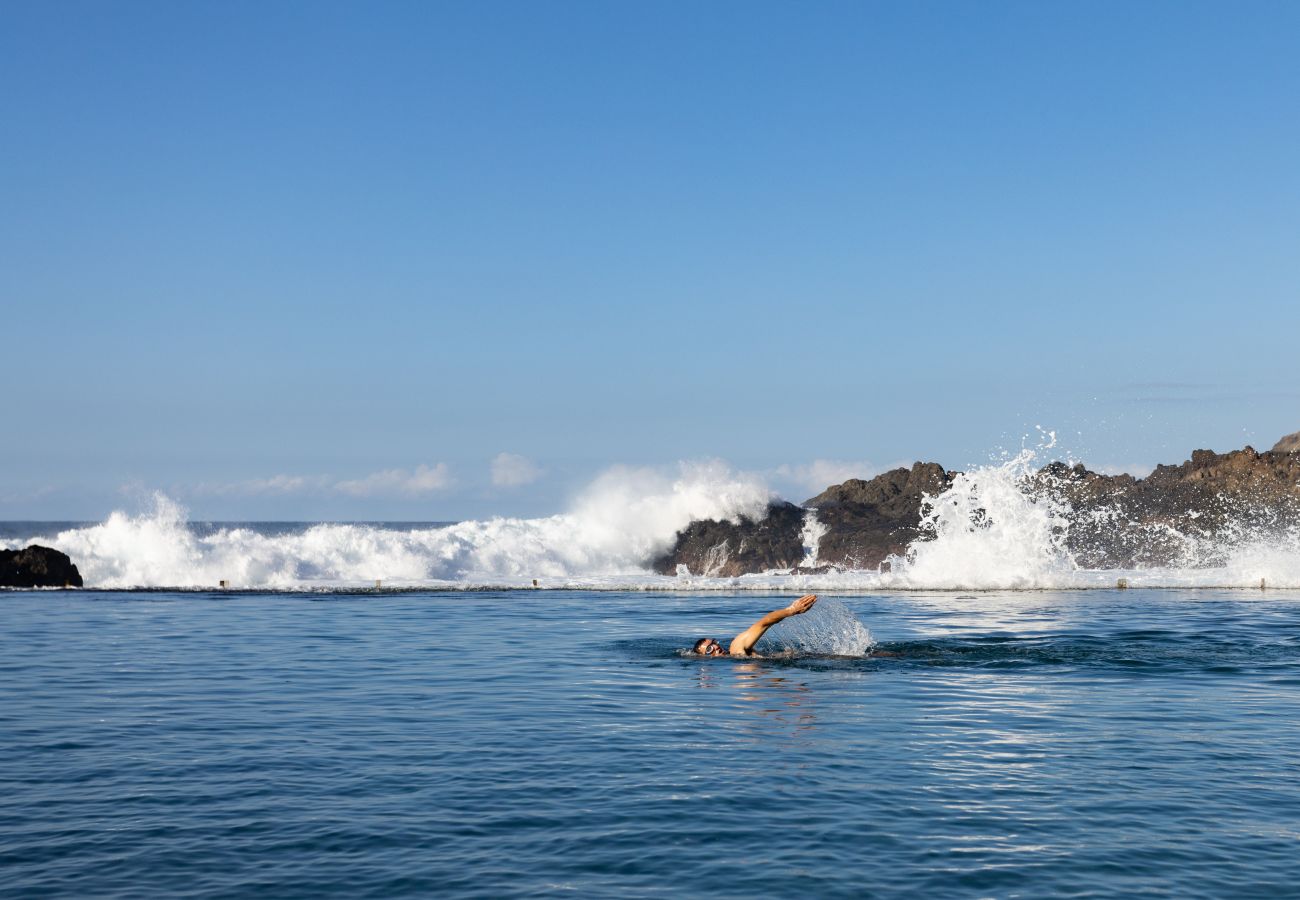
(329, 260)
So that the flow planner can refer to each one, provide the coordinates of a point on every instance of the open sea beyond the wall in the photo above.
(535, 743)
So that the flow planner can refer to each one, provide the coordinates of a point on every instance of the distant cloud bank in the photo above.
(423, 479)
(513, 470)
(507, 470)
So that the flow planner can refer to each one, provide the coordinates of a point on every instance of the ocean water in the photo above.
(392, 709)
(495, 744)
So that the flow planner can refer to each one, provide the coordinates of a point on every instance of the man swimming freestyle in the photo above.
(743, 643)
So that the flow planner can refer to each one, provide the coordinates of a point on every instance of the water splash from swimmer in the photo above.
(828, 629)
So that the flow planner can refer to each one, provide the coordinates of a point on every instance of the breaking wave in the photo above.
(623, 518)
(986, 532)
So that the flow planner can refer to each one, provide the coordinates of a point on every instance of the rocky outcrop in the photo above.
(726, 549)
(1168, 517)
(1288, 444)
(37, 566)
(867, 521)
(863, 522)
(1178, 515)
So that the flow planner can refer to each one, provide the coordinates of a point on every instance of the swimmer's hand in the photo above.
(803, 604)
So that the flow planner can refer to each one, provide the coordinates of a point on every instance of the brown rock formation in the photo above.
(726, 549)
(1186, 515)
(867, 521)
(1288, 444)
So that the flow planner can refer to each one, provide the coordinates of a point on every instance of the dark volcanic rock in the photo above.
(1216, 494)
(1192, 514)
(864, 521)
(1094, 523)
(1214, 490)
(1177, 514)
(897, 492)
(726, 549)
(37, 566)
(867, 521)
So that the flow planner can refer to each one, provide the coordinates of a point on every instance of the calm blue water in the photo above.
(536, 743)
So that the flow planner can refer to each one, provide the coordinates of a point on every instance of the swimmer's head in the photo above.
(709, 647)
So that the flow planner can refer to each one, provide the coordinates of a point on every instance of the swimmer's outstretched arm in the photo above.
(743, 645)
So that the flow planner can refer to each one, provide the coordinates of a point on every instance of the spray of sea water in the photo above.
(828, 629)
(988, 531)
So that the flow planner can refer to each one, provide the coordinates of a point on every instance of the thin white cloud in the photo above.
(423, 480)
(276, 485)
(513, 470)
(816, 476)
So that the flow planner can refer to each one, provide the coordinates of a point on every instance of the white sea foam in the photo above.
(621, 520)
(992, 533)
(989, 533)
(811, 538)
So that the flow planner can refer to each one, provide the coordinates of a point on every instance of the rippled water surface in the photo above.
(534, 743)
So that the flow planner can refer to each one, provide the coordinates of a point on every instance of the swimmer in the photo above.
(743, 643)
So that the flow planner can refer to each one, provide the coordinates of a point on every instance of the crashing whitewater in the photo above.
(986, 532)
